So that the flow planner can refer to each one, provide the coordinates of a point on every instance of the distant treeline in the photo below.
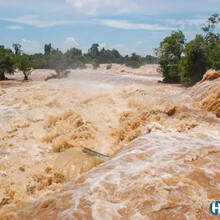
(60, 62)
(186, 63)
(74, 58)
(179, 62)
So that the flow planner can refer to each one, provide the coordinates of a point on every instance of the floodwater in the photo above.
(162, 144)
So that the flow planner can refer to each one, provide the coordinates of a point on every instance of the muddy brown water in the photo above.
(163, 148)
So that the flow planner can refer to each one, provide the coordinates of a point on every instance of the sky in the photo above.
(125, 25)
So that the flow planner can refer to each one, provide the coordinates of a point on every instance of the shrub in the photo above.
(6, 62)
(134, 61)
(169, 55)
(24, 64)
(195, 63)
(95, 64)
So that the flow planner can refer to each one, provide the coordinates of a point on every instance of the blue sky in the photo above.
(126, 25)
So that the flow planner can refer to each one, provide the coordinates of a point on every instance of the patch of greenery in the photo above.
(187, 63)
(169, 55)
(7, 60)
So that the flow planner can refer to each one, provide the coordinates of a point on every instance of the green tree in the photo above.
(213, 41)
(17, 48)
(106, 56)
(116, 53)
(214, 55)
(169, 54)
(58, 62)
(94, 50)
(149, 59)
(38, 59)
(134, 61)
(6, 62)
(73, 52)
(195, 63)
(211, 24)
(25, 65)
(75, 59)
(48, 49)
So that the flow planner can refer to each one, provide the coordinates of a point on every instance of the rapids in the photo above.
(162, 141)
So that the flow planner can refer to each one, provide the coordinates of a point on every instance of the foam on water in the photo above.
(175, 175)
(164, 149)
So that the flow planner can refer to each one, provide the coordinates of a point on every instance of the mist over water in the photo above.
(163, 142)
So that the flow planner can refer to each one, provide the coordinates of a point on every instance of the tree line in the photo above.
(179, 61)
(55, 59)
(186, 63)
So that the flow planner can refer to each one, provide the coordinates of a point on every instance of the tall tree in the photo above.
(73, 52)
(59, 63)
(195, 62)
(211, 24)
(169, 55)
(94, 50)
(17, 48)
(116, 53)
(6, 62)
(134, 61)
(213, 41)
(24, 64)
(48, 49)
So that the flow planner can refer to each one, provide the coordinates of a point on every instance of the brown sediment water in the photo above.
(162, 143)
(209, 96)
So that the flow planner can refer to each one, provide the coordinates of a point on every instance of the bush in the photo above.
(58, 62)
(195, 63)
(169, 55)
(64, 74)
(134, 61)
(95, 64)
(213, 50)
(6, 62)
(24, 64)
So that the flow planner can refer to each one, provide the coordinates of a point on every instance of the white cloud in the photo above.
(34, 20)
(185, 22)
(15, 27)
(109, 7)
(139, 42)
(123, 24)
(33, 5)
(103, 7)
(29, 46)
(70, 42)
(93, 7)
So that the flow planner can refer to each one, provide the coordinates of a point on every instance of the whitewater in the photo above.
(161, 142)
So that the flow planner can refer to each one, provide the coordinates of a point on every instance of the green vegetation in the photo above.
(195, 62)
(25, 65)
(75, 58)
(6, 62)
(187, 63)
(179, 62)
(134, 61)
(213, 41)
(57, 61)
(47, 49)
(60, 62)
(169, 55)
(17, 48)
